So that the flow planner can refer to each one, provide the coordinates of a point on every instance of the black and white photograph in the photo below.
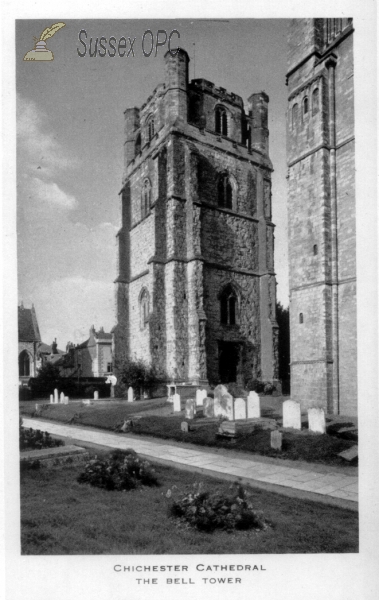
(190, 302)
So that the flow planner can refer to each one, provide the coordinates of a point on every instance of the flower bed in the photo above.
(34, 439)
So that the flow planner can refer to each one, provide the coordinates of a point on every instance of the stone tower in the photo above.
(321, 214)
(196, 285)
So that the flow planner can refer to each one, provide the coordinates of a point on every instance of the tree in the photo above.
(283, 320)
(138, 375)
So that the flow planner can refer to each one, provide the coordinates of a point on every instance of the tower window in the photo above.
(301, 318)
(228, 306)
(145, 198)
(225, 192)
(144, 304)
(138, 144)
(150, 129)
(295, 109)
(315, 101)
(315, 249)
(221, 121)
(305, 105)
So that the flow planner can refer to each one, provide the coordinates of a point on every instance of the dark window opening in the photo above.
(301, 318)
(109, 367)
(315, 249)
(221, 121)
(225, 192)
(150, 129)
(228, 361)
(24, 364)
(305, 105)
(146, 198)
(228, 307)
(315, 102)
(138, 144)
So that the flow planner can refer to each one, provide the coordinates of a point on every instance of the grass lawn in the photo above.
(304, 446)
(61, 516)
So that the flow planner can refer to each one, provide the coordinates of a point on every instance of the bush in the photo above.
(34, 439)
(123, 470)
(209, 511)
(139, 375)
(261, 387)
(236, 390)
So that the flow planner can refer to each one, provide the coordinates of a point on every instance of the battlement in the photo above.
(218, 92)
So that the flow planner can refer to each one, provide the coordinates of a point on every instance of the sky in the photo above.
(70, 151)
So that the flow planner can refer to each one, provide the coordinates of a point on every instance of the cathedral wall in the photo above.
(139, 333)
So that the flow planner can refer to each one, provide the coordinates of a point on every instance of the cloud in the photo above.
(37, 144)
(52, 194)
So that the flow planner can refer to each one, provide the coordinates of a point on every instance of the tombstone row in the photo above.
(58, 399)
(292, 417)
(222, 405)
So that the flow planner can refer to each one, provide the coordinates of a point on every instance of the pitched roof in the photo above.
(28, 330)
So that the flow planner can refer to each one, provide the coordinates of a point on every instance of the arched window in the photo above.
(150, 129)
(144, 305)
(315, 101)
(24, 364)
(315, 250)
(301, 318)
(221, 121)
(295, 109)
(138, 144)
(305, 105)
(145, 198)
(228, 306)
(224, 192)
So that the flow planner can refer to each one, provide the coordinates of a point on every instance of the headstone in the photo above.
(130, 394)
(190, 409)
(220, 391)
(177, 403)
(171, 391)
(51, 399)
(86, 402)
(240, 411)
(61, 398)
(223, 407)
(184, 426)
(200, 395)
(253, 406)
(96, 395)
(208, 407)
(291, 414)
(350, 453)
(38, 407)
(276, 440)
(66, 399)
(56, 396)
(316, 420)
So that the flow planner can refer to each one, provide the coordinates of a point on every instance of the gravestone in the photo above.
(276, 440)
(87, 402)
(61, 399)
(190, 409)
(177, 403)
(220, 391)
(200, 395)
(96, 395)
(349, 454)
(56, 396)
(208, 407)
(291, 414)
(65, 401)
(253, 406)
(240, 408)
(223, 407)
(184, 426)
(51, 399)
(130, 394)
(171, 391)
(316, 420)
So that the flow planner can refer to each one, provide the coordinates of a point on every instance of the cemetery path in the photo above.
(305, 480)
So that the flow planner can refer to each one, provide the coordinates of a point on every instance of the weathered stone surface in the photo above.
(316, 420)
(276, 439)
(208, 407)
(253, 406)
(56, 397)
(224, 406)
(240, 410)
(51, 399)
(247, 425)
(220, 391)
(200, 395)
(61, 398)
(177, 402)
(96, 395)
(190, 408)
(291, 414)
(184, 426)
(130, 394)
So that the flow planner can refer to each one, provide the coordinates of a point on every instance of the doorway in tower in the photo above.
(228, 361)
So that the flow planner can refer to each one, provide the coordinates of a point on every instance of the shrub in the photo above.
(123, 470)
(139, 375)
(261, 387)
(209, 511)
(34, 439)
(236, 390)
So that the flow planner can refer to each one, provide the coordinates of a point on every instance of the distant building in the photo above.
(92, 358)
(321, 214)
(29, 338)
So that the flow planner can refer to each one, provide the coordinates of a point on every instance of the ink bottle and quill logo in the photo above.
(40, 51)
